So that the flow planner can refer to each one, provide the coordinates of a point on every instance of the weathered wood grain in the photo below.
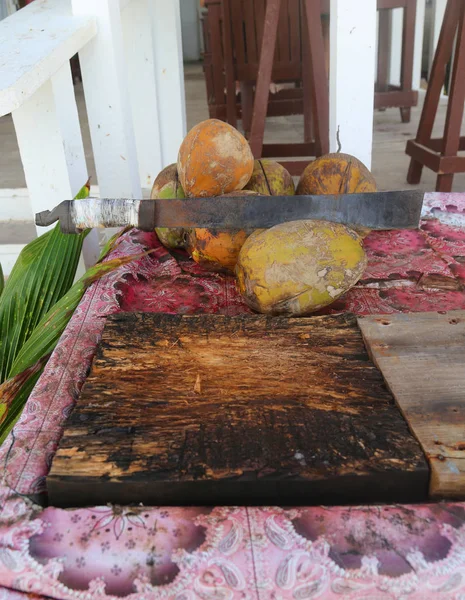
(422, 357)
(213, 409)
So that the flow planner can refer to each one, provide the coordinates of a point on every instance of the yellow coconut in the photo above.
(270, 178)
(167, 185)
(299, 267)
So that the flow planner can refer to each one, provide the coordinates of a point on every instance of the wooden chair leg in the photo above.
(319, 77)
(247, 105)
(444, 182)
(262, 88)
(455, 107)
(326, 39)
(384, 50)
(408, 47)
(309, 132)
(405, 114)
(433, 92)
(217, 58)
(231, 116)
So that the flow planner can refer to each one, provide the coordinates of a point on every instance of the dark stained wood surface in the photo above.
(422, 357)
(235, 410)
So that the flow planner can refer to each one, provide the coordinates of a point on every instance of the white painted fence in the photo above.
(131, 62)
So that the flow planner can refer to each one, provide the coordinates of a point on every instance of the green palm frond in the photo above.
(32, 356)
(42, 274)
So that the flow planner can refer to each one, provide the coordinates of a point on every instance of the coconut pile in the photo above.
(291, 269)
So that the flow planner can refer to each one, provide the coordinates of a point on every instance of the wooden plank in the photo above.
(230, 25)
(283, 41)
(295, 167)
(422, 358)
(214, 27)
(307, 83)
(396, 98)
(319, 81)
(225, 410)
(384, 50)
(259, 22)
(422, 155)
(262, 87)
(449, 165)
(408, 45)
(294, 149)
(235, 19)
(390, 4)
(437, 144)
(294, 31)
(250, 33)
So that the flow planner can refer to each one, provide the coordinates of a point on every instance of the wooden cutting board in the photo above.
(422, 358)
(235, 410)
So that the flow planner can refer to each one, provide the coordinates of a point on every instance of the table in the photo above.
(233, 552)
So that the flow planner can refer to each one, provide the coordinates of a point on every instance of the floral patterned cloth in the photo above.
(358, 553)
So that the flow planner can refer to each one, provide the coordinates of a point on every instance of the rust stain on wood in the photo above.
(213, 409)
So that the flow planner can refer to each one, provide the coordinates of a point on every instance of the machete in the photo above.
(372, 210)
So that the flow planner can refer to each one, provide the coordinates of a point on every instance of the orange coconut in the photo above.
(336, 173)
(217, 250)
(214, 159)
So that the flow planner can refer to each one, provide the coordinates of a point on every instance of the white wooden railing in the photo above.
(131, 62)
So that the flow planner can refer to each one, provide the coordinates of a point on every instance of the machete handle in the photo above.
(60, 213)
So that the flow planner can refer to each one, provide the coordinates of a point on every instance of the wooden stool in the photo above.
(440, 155)
(387, 95)
(247, 28)
(309, 65)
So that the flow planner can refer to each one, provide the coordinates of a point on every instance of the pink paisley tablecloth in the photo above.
(228, 553)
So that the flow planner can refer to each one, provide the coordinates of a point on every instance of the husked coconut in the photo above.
(270, 177)
(214, 159)
(298, 267)
(215, 249)
(167, 185)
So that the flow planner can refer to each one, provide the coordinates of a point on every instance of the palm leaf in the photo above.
(42, 274)
(45, 337)
(48, 331)
(2, 280)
